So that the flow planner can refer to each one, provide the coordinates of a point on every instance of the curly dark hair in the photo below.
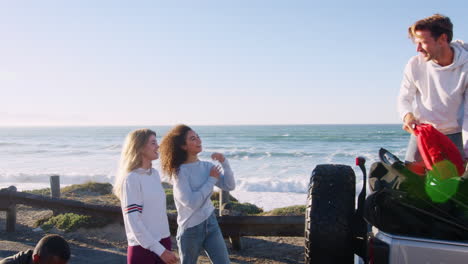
(172, 154)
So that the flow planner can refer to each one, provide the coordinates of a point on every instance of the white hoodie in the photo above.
(437, 94)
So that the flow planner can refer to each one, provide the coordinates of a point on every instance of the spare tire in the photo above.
(329, 215)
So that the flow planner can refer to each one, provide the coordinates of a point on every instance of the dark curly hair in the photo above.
(172, 154)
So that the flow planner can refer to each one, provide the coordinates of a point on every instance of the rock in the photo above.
(39, 229)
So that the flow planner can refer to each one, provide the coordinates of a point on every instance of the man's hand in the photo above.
(409, 121)
(169, 257)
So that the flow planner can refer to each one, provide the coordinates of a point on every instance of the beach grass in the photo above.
(215, 197)
(287, 211)
(44, 192)
(243, 208)
(70, 222)
(89, 192)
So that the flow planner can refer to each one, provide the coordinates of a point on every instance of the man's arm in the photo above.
(465, 124)
(23, 257)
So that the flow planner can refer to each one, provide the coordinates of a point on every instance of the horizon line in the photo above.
(166, 125)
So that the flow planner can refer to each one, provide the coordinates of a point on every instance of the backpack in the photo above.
(436, 147)
(400, 205)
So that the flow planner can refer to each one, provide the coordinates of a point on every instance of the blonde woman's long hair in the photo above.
(131, 157)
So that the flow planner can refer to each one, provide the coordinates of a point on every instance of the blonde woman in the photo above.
(143, 201)
(193, 185)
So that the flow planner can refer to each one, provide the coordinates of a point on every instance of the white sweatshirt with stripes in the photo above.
(144, 210)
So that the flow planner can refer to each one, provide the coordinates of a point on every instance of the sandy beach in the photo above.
(108, 244)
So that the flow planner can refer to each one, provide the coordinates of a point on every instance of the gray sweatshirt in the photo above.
(193, 188)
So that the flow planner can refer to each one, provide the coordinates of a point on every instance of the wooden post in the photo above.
(223, 200)
(55, 186)
(11, 218)
(11, 214)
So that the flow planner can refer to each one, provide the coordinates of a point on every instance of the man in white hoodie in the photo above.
(435, 82)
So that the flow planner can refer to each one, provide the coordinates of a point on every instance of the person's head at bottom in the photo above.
(51, 249)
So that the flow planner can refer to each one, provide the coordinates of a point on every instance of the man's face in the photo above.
(429, 47)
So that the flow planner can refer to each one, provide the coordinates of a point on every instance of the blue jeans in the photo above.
(412, 153)
(206, 235)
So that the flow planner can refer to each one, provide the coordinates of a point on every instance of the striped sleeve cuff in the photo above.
(133, 208)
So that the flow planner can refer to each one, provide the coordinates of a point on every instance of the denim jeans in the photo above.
(412, 152)
(206, 235)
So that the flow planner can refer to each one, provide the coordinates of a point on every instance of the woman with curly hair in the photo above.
(193, 185)
(143, 200)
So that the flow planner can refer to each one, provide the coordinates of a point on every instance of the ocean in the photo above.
(272, 164)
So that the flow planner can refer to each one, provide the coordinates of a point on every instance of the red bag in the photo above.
(436, 147)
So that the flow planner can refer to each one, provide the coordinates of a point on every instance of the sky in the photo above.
(67, 63)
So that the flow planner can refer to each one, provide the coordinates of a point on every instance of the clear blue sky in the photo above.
(207, 62)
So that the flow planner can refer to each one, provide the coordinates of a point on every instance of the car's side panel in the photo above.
(409, 250)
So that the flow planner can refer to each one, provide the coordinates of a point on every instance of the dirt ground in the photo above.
(108, 244)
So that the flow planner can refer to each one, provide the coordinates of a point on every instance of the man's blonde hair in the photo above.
(437, 24)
